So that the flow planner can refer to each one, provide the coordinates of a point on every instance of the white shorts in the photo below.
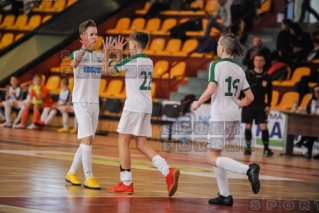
(87, 116)
(135, 123)
(222, 132)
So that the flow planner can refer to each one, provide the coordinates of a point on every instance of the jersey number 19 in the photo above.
(231, 85)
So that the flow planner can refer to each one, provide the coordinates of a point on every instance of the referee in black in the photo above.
(261, 85)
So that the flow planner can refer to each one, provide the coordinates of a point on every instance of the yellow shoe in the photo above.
(63, 130)
(91, 183)
(72, 178)
(74, 131)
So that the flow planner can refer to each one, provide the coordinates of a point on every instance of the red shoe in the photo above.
(40, 125)
(172, 181)
(122, 188)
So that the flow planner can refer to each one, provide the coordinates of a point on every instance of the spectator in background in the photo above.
(301, 45)
(284, 41)
(257, 48)
(307, 7)
(314, 53)
(156, 7)
(223, 12)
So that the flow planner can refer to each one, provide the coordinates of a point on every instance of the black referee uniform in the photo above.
(261, 85)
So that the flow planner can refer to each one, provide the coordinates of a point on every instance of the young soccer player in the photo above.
(13, 98)
(136, 116)
(226, 80)
(65, 110)
(40, 98)
(88, 66)
(49, 112)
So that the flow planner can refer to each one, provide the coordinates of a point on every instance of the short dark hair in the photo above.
(14, 76)
(287, 22)
(142, 38)
(37, 76)
(232, 44)
(85, 25)
(65, 80)
(259, 55)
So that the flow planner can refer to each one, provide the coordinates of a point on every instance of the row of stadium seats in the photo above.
(22, 22)
(53, 6)
(296, 77)
(155, 27)
(288, 100)
(210, 6)
(8, 38)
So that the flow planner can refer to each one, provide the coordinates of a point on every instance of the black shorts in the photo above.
(255, 111)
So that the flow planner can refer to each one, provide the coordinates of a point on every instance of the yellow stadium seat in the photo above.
(305, 101)
(137, 24)
(160, 68)
(188, 46)
(287, 101)
(211, 6)
(155, 46)
(57, 6)
(153, 90)
(167, 24)
(43, 79)
(19, 36)
(299, 72)
(20, 23)
(6, 40)
(53, 82)
(183, 20)
(7, 21)
(172, 47)
(34, 22)
(98, 44)
(152, 25)
(114, 87)
(265, 7)
(198, 4)
(145, 9)
(63, 65)
(102, 86)
(122, 24)
(70, 2)
(177, 71)
(121, 94)
(275, 98)
(46, 18)
(71, 83)
(44, 5)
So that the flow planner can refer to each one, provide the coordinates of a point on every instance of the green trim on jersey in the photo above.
(248, 88)
(72, 54)
(212, 66)
(127, 60)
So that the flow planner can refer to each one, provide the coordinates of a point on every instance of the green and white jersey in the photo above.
(138, 80)
(231, 80)
(87, 77)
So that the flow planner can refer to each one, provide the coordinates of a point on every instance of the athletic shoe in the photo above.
(72, 178)
(308, 156)
(18, 126)
(122, 188)
(253, 177)
(74, 131)
(221, 200)
(268, 153)
(40, 125)
(247, 152)
(32, 127)
(63, 130)
(172, 181)
(6, 124)
(91, 183)
(316, 157)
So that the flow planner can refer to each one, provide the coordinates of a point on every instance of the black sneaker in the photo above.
(221, 200)
(316, 157)
(308, 156)
(253, 177)
(268, 153)
(247, 152)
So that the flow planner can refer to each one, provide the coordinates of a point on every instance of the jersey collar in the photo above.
(227, 59)
(140, 55)
(90, 51)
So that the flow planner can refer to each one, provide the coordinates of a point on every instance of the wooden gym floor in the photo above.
(33, 165)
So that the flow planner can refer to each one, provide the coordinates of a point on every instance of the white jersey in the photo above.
(231, 80)
(65, 97)
(17, 92)
(138, 81)
(87, 77)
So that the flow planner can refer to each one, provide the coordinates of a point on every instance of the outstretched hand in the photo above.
(119, 43)
(108, 44)
(85, 41)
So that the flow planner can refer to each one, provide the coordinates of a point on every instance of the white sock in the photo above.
(7, 111)
(65, 119)
(222, 181)
(75, 126)
(18, 118)
(50, 116)
(126, 178)
(76, 161)
(87, 160)
(231, 165)
(161, 165)
(45, 113)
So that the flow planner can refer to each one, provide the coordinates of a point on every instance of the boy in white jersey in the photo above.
(136, 116)
(48, 113)
(226, 81)
(88, 66)
(13, 99)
